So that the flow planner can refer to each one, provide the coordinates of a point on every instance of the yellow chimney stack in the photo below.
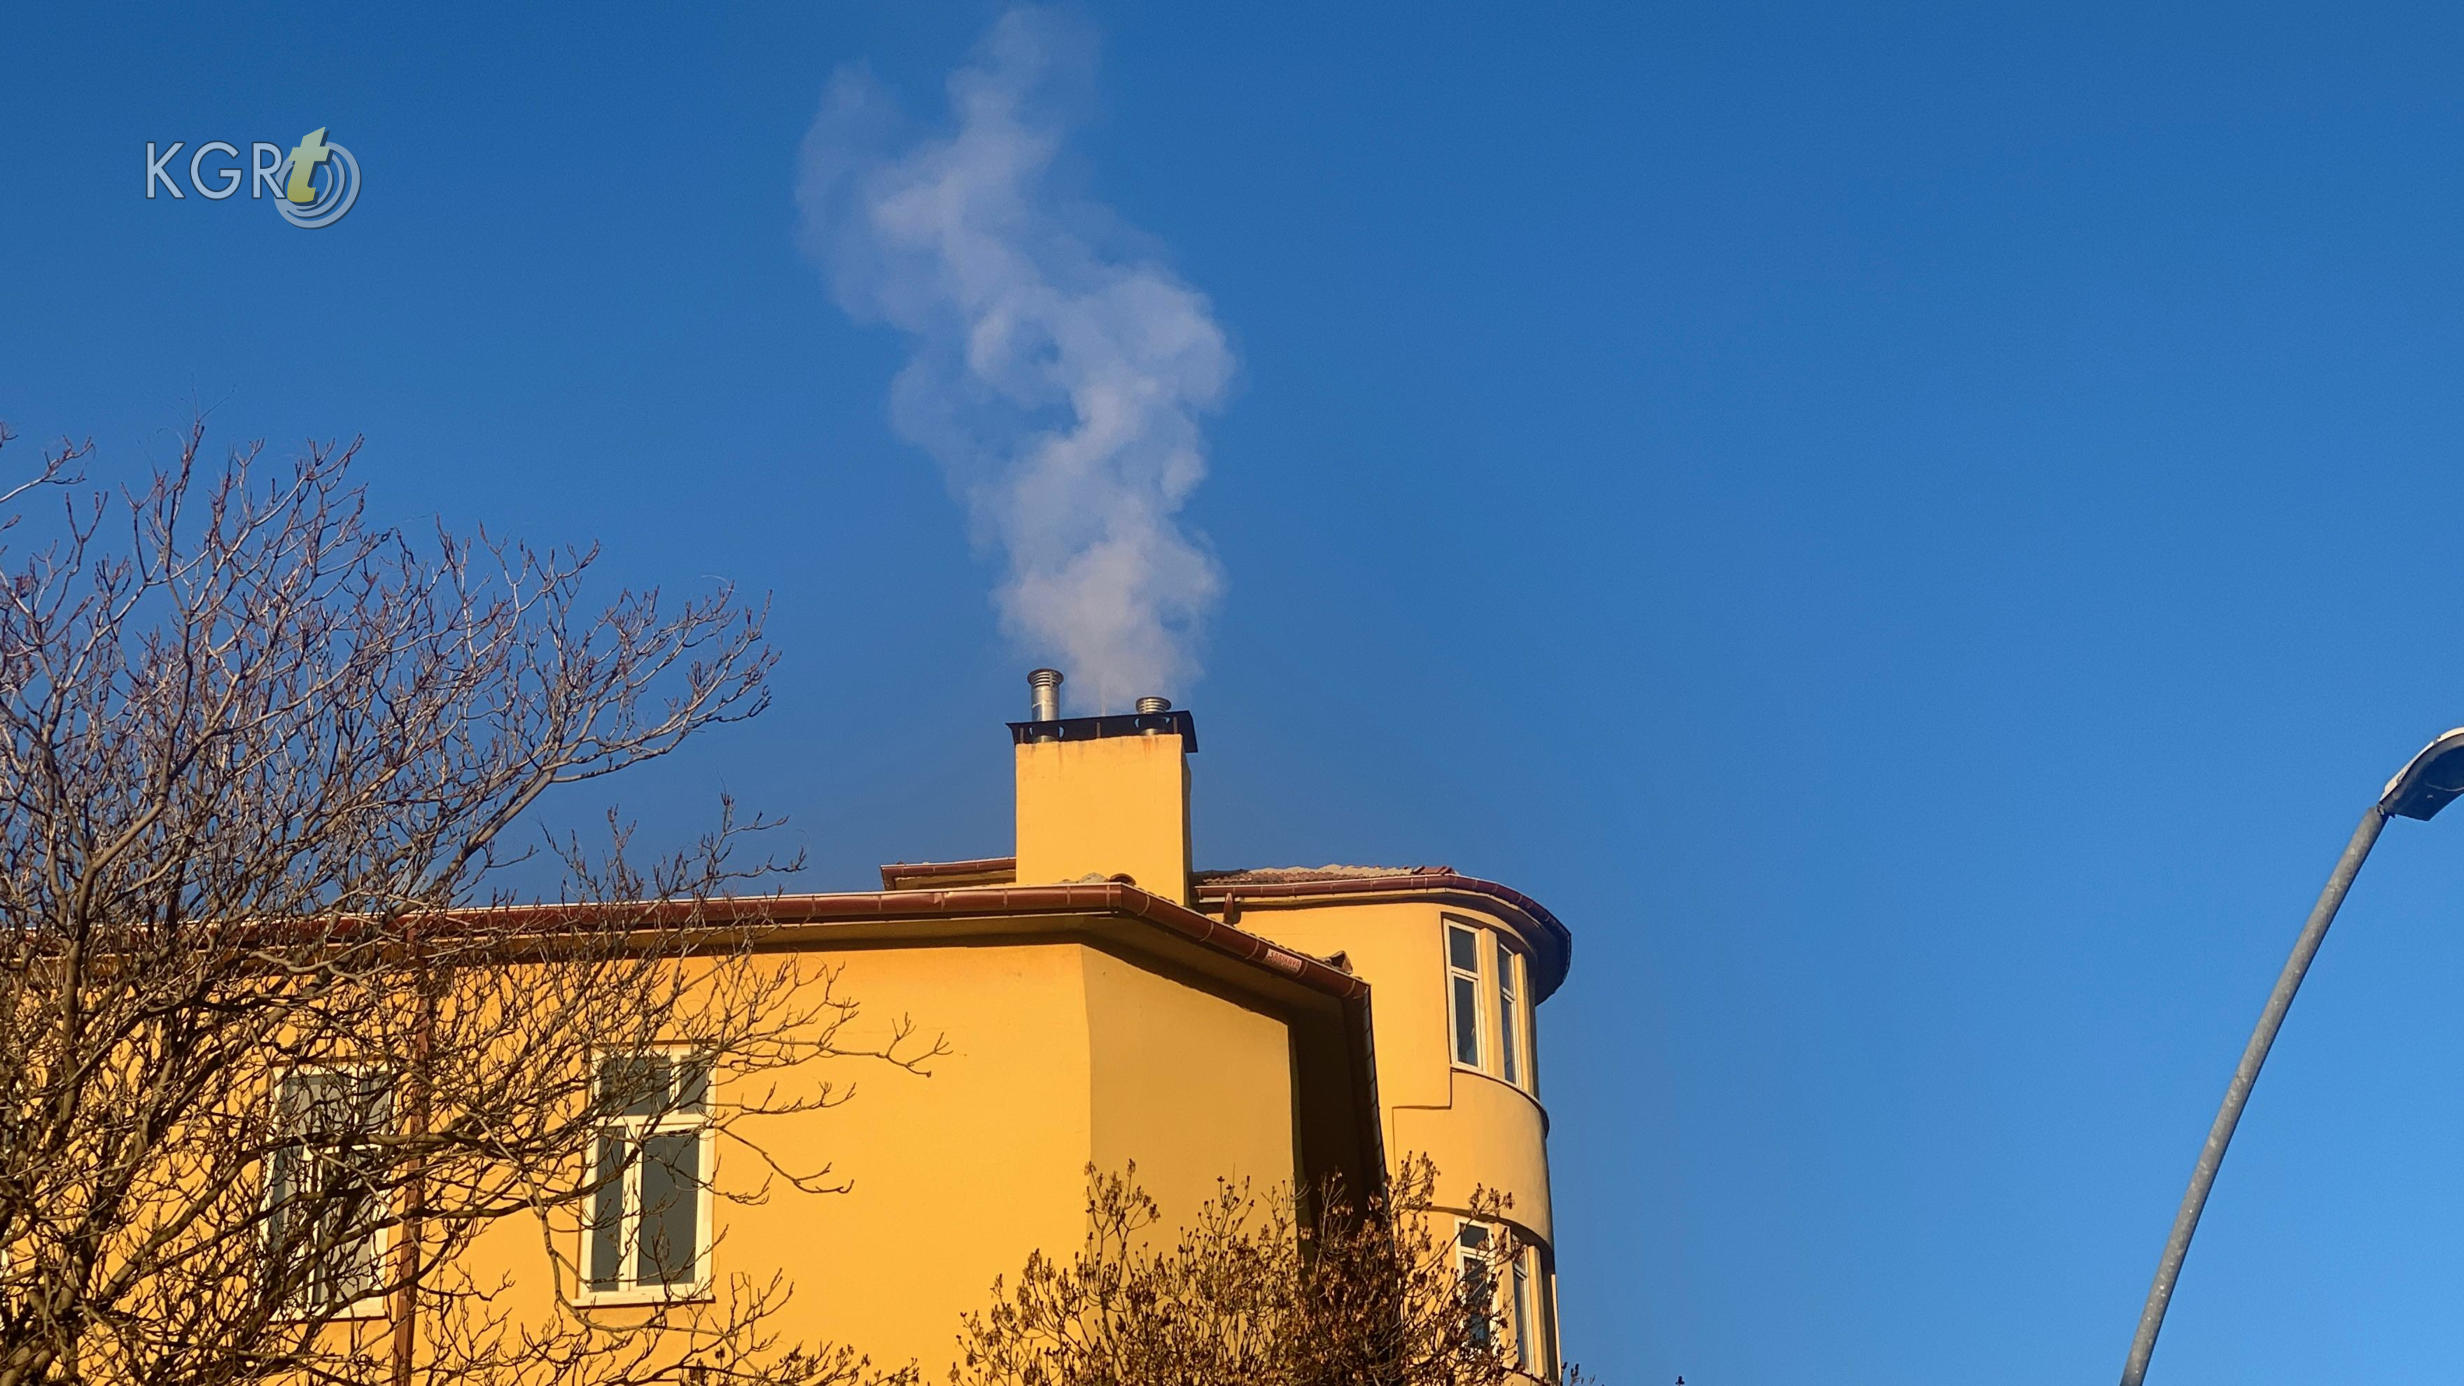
(1104, 797)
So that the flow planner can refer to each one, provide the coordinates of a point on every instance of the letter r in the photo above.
(155, 168)
(264, 161)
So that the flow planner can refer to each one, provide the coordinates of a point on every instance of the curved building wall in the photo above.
(1480, 1121)
(1491, 1136)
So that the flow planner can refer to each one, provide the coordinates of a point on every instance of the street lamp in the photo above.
(2427, 783)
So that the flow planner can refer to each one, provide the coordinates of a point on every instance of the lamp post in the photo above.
(2426, 784)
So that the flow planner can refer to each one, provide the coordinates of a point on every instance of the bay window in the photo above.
(1488, 1003)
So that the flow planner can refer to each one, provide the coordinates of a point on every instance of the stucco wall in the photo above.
(1059, 1054)
(1187, 1084)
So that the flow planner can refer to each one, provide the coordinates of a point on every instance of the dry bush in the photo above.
(1250, 1295)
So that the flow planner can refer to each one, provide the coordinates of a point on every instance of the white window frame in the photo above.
(1527, 1011)
(1477, 976)
(1504, 1021)
(1546, 1286)
(1512, 1022)
(636, 1129)
(366, 1306)
(1467, 1255)
(1520, 1316)
(1516, 1291)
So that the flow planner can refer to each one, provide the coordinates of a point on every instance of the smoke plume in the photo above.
(1059, 371)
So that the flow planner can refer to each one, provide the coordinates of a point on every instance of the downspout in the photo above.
(418, 1094)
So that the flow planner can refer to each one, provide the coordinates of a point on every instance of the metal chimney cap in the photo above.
(1046, 700)
(1151, 703)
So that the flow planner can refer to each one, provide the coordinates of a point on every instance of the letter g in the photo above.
(230, 176)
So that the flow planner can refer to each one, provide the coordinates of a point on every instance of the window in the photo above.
(1544, 1314)
(649, 1217)
(1463, 982)
(1488, 984)
(323, 1187)
(1509, 1027)
(1481, 1253)
(1524, 1356)
(1475, 1281)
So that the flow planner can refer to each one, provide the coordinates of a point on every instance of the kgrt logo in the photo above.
(313, 184)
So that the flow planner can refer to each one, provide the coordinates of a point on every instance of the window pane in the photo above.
(307, 1102)
(281, 1179)
(633, 1084)
(372, 1100)
(607, 1216)
(352, 1211)
(1509, 1034)
(1462, 948)
(1544, 1292)
(1524, 1357)
(653, 1084)
(671, 1184)
(285, 1238)
(1466, 1021)
(1472, 1271)
(693, 1083)
(1479, 1296)
(327, 1104)
(321, 1242)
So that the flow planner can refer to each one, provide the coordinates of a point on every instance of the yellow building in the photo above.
(1104, 1002)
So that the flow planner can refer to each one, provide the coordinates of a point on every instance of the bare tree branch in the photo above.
(259, 763)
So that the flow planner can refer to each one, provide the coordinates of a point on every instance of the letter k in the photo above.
(304, 161)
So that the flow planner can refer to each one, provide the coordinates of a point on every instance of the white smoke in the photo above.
(1058, 376)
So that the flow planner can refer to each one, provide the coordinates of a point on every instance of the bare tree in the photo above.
(1361, 1294)
(277, 1047)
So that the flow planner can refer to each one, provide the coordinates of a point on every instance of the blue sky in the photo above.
(1915, 531)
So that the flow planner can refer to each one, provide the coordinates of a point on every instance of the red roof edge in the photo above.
(1556, 938)
(924, 875)
(1090, 897)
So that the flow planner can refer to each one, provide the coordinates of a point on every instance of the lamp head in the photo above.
(2429, 781)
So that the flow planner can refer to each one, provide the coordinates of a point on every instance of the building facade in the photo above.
(1102, 1001)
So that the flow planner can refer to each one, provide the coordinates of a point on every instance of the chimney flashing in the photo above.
(1178, 723)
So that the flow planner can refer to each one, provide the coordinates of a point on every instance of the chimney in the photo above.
(1046, 703)
(1104, 797)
